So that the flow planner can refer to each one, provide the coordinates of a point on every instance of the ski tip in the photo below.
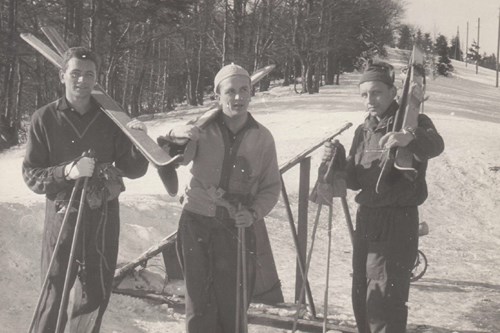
(168, 176)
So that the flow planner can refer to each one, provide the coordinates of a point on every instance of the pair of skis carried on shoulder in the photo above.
(160, 158)
(410, 105)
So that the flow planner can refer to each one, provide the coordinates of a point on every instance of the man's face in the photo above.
(234, 95)
(376, 96)
(79, 78)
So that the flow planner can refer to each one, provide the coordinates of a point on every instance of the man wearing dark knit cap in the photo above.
(386, 236)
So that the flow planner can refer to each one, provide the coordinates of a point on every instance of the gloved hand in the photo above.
(244, 218)
(84, 167)
(137, 124)
(395, 139)
(182, 134)
(328, 150)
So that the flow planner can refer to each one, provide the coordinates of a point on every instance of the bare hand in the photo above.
(182, 134)
(395, 139)
(84, 167)
(243, 218)
(138, 125)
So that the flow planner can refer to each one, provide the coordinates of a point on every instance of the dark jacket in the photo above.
(364, 162)
(57, 135)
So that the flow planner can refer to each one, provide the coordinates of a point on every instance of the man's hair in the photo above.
(378, 71)
(82, 53)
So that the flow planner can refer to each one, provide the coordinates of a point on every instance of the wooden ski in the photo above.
(148, 147)
(401, 159)
(404, 157)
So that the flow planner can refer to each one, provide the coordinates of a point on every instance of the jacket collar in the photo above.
(250, 122)
(62, 104)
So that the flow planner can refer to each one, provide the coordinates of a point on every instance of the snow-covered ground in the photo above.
(460, 291)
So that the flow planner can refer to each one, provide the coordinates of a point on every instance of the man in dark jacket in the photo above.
(59, 133)
(386, 236)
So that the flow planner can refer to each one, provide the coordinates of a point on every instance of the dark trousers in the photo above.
(385, 249)
(207, 249)
(97, 249)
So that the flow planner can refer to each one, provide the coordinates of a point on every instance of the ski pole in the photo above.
(54, 253)
(244, 274)
(238, 282)
(76, 233)
(325, 305)
(308, 263)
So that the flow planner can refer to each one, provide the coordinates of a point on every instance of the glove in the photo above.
(84, 167)
(182, 134)
(244, 218)
(395, 139)
(138, 125)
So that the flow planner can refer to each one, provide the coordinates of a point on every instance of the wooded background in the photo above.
(157, 54)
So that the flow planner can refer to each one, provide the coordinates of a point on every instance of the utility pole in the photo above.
(467, 46)
(498, 47)
(478, 30)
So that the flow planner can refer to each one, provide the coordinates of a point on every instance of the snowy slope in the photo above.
(461, 289)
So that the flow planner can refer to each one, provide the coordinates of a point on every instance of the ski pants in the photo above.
(207, 250)
(92, 276)
(385, 249)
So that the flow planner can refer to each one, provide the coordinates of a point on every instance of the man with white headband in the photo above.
(235, 181)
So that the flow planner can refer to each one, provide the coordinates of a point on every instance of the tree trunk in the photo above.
(135, 101)
(167, 99)
(286, 73)
(337, 70)
(317, 75)
(198, 87)
(8, 132)
(238, 42)
(330, 68)
(126, 79)
(225, 38)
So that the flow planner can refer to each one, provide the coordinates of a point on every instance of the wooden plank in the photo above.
(254, 317)
(151, 252)
(301, 259)
(304, 180)
(304, 325)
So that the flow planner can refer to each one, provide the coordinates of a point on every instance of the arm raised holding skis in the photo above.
(386, 237)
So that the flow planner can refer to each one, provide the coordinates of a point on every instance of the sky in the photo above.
(445, 16)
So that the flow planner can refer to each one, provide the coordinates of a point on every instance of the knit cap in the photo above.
(378, 71)
(228, 71)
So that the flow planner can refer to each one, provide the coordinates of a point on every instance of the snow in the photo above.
(460, 291)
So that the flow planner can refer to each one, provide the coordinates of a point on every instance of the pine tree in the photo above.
(455, 50)
(444, 66)
(473, 54)
(489, 61)
(427, 43)
(405, 37)
(419, 39)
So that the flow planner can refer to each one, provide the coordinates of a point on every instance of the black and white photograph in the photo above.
(250, 166)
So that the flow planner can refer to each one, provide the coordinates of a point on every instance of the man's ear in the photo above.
(61, 76)
(394, 92)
